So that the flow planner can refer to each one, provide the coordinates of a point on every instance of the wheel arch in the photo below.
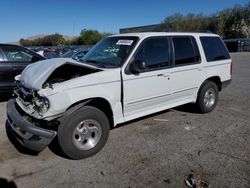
(216, 80)
(98, 102)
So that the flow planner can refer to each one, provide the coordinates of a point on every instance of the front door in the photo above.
(150, 87)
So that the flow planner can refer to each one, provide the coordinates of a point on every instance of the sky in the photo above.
(25, 18)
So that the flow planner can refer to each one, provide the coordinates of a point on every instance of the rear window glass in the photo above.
(185, 50)
(214, 49)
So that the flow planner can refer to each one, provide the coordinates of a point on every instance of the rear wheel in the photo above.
(207, 97)
(83, 133)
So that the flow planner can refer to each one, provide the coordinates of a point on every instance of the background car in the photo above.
(48, 53)
(76, 54)
(13, 59)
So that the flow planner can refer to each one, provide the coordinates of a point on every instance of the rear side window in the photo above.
(214, 49)
(185, 50)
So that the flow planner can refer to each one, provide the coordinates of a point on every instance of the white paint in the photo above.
(124, 42)
(144, 93)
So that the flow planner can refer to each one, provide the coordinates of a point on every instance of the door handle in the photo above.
(160, 75)
(164, 75)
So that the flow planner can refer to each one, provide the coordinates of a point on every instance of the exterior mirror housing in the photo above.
(137, 66)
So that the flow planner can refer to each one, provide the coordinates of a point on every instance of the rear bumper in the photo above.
(29, 135)
(225, 83)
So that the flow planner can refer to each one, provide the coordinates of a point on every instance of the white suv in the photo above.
(123, 77)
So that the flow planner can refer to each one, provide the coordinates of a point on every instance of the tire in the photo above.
(207, 97)
(83, 133)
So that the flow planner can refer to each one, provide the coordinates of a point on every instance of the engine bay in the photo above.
(67, 72)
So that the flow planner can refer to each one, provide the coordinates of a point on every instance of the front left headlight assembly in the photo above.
(41, 104)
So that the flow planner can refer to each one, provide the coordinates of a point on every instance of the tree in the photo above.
(189, 23)
(90, 37)
(229, 23)
(49, 40)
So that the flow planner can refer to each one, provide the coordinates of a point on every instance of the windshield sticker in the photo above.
(124, 42)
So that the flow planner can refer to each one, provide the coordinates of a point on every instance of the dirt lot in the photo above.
(156, 151)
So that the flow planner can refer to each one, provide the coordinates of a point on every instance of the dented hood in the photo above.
(35, 75)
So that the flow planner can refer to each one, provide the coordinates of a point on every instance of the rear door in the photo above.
(187, 73)
(5, 73)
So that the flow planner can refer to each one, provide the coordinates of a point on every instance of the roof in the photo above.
(151, 34)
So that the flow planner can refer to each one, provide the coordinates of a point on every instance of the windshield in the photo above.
(110, 52)
(68, 54)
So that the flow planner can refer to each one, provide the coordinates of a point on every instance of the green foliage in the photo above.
(87, 37)
(229, 23)
(188, 23)
(234, 22)
(49, 40)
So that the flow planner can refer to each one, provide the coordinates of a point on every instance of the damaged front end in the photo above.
(31, 102)
(39, 81)
(33, 114)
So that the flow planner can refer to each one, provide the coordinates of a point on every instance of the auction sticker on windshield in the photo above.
(124, 42)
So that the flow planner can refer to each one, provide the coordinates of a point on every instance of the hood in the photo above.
(35, 75)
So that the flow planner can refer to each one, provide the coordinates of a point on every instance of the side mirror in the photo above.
(137, 66)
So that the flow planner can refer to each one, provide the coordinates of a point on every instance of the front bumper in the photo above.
(29, 135)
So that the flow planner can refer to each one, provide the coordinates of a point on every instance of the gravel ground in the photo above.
(156, 151)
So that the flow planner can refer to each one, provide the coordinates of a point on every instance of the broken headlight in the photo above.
(42, 104)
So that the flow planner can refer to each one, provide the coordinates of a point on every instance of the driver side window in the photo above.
(154, 52)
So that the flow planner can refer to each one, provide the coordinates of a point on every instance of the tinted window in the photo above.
(214, 49)
(1, 56)
(154, 52)
(185, 50)
(13, 53)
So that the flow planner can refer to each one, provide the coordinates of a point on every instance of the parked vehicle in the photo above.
(122, 78)
(48, 53)
(13, 59)
(76, 54)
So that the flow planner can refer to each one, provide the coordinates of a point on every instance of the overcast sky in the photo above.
(24, 18)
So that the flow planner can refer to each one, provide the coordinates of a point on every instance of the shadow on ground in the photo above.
(54, 147)
(4, 183)
(187, 108)
(5, 98)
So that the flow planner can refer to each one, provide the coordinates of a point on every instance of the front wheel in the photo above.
(207, 97)
(83, 133)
